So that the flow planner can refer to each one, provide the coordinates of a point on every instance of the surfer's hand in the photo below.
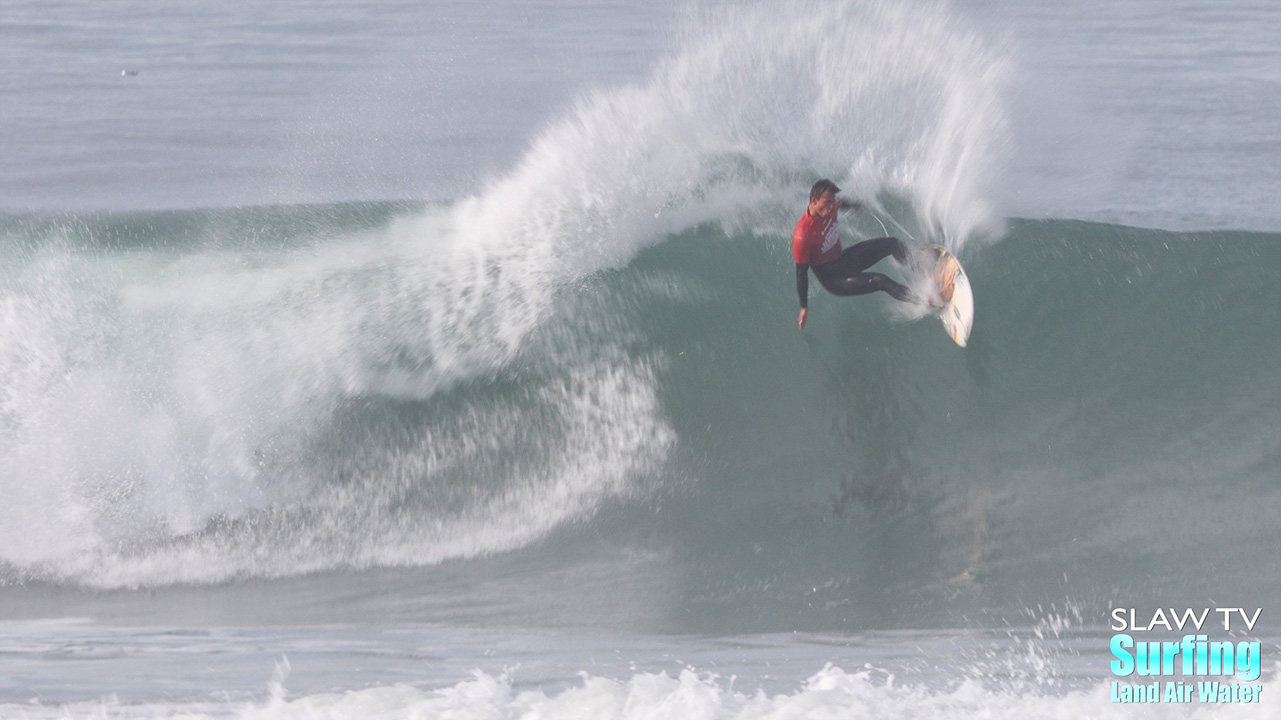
(800, 322)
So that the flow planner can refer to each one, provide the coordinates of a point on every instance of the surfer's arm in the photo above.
(854, 205)
(803, 290)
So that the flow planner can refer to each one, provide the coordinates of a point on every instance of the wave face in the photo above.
(591, 367)
(275, 407)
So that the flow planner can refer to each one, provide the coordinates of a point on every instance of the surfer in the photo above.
(816, 245)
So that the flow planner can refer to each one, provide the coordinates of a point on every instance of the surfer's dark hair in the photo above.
(821, 187)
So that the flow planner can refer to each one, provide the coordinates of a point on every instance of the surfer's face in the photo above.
(823, 205)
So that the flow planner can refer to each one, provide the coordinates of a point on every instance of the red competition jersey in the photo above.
(816, 240)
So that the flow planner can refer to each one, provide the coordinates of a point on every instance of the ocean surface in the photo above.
(394, 359)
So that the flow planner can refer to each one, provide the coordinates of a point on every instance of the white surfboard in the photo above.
(954, 290)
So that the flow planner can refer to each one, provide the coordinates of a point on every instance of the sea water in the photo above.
(388, 359)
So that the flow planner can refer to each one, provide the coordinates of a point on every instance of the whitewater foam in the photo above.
(184, 424)
(830, 692)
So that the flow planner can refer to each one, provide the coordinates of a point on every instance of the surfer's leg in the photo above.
(867, 282)
(863, 255)
(846, 275)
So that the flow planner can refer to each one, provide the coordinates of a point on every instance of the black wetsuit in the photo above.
(847, 274)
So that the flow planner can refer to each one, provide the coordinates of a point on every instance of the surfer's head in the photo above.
(823, 198)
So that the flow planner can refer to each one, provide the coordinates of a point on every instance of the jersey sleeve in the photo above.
(800, 243)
